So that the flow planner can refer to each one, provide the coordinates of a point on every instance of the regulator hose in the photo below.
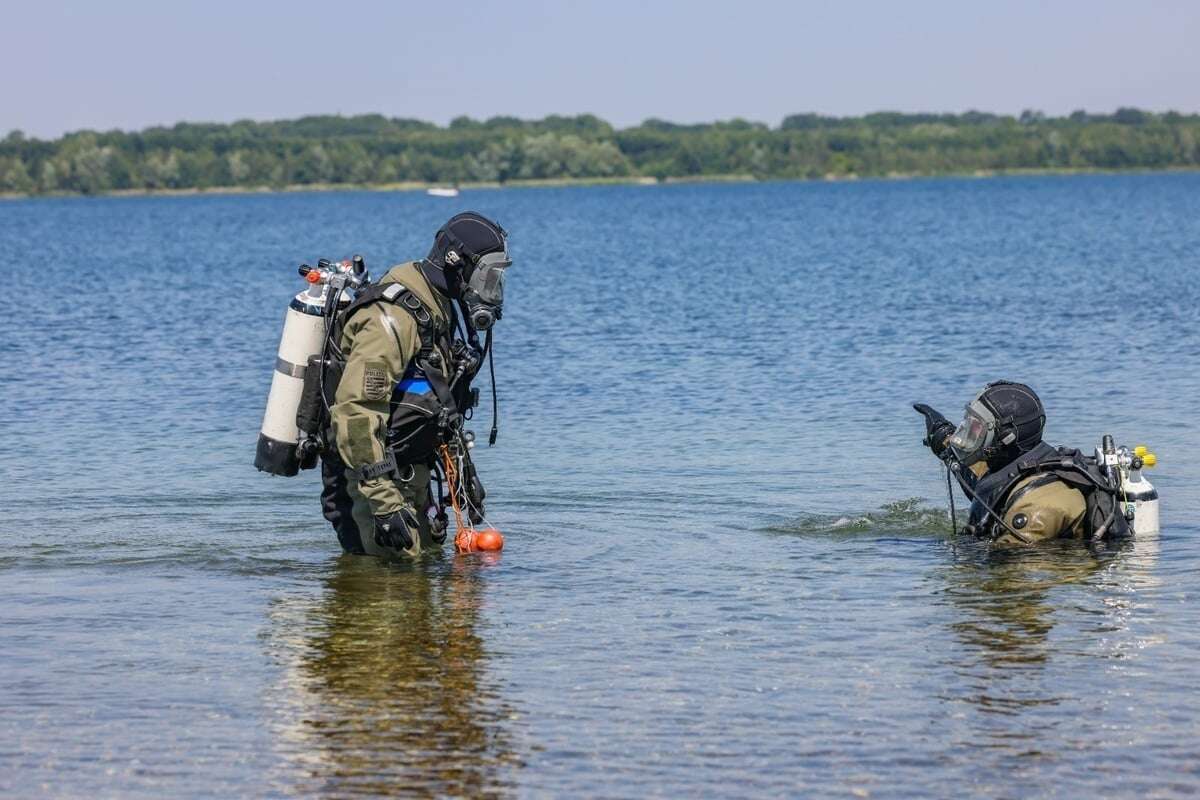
(951, 465)
(950, 492)
(495, 403)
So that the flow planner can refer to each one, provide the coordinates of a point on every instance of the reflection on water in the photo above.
(1023, 617)
(1006, 595)
(385, 688)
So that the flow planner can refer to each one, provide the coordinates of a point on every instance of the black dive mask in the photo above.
(483, 292)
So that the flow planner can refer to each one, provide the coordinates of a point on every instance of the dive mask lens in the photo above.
(971, 437)
(487, 279)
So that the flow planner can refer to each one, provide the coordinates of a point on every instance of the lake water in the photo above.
(728, 569)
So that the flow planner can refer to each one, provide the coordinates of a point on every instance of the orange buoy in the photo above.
(464, 540)
(469, 540)
(489, 539)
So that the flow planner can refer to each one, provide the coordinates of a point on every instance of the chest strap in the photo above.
(429, 359)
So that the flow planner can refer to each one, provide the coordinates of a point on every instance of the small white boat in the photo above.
(442, 191)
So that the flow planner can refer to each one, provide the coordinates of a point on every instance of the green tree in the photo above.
(372, 148)
(14, 177)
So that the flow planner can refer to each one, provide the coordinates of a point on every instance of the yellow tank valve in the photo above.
(1149, 460)
(1140, 451)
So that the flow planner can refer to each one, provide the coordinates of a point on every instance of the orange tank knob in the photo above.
(489, 539)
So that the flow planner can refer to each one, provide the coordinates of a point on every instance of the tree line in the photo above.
(375, 150)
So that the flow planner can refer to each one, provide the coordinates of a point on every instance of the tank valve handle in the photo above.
(1143, 452)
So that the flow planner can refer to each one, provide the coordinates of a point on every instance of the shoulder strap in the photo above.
(366, 297)
(1039, 457)
(397, 294)
(1105, 516)
(1037, 482)
(402, 297)
(994, 489)
(428, 358)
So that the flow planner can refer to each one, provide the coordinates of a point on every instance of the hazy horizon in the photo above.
(132, 64)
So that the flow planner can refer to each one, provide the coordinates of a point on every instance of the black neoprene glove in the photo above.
(392, 530)
(938, 429)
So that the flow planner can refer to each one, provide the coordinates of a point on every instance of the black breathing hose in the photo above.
(495, 403)
(950, 492)
(975, 498)
(330, 313)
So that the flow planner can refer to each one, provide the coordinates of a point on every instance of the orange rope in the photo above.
(464, 537)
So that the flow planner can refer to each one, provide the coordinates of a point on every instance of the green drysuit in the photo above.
(1050, 511)
(379, 343)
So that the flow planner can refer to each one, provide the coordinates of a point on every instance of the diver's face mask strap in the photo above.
(484, 290)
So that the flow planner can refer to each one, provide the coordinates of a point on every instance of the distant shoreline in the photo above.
(376, 153)
(556, 183)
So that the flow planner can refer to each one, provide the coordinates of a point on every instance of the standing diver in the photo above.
(403, 391)
(1023, 490)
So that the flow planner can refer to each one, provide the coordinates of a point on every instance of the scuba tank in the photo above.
(283, 448)
(1138, 496)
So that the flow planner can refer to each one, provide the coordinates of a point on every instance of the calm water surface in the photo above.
(728, 570)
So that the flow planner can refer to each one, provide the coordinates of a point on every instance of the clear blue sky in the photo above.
(129, 64)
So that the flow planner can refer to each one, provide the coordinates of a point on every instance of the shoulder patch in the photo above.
(376, 385)
(1020, 521)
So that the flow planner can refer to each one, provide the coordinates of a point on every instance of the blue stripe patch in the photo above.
(414, 386)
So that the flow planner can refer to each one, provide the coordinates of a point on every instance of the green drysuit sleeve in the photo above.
(378, 343)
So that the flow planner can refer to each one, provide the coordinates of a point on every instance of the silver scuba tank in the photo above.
(304, 331)
(1140, 492)
(1137, 494)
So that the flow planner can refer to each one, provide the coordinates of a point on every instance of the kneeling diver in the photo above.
(1023, 490)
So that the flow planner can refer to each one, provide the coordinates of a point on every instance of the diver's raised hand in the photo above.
(938, 429)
